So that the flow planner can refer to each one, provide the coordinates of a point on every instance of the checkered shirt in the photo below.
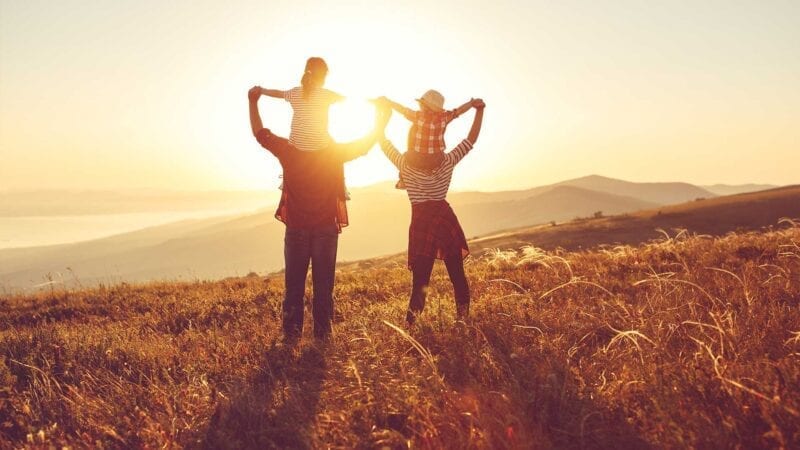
(427, 129)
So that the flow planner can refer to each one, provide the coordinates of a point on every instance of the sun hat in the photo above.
(433, 100)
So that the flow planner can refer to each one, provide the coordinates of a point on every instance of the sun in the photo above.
(350, 119)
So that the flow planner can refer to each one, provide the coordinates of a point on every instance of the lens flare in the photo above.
(350, 119)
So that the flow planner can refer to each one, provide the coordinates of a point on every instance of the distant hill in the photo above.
(654, 193)
(715, 216)
(557, 203)
(660, 193)
(229, 246)
(729, 189)
(379, 216)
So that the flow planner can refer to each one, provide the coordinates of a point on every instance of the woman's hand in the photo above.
(254, 93)
(477, 121)
(382, 115)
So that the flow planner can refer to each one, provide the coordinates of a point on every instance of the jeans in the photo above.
(421, 273)
(317, 246)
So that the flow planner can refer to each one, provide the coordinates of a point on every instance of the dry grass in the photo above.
(685, 342)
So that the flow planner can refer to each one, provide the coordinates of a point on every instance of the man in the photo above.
(313, 208)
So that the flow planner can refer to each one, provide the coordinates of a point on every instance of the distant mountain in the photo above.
(659, 193)
(379, 217)
(717, 216)
(558, 203)
(655, 193)
(729, 189)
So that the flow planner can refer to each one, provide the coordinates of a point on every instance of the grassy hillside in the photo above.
(728, 189)
(689, 342)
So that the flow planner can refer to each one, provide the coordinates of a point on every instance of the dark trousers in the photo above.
(317, 246)
(421, 273)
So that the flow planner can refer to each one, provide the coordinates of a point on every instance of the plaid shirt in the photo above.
(435, 232)
(313, 187)
(427, 129)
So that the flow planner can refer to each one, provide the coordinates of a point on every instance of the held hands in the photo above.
(382, 115)
(380, 102)
(254, 93)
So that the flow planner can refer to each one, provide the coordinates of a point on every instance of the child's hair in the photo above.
(314, 75)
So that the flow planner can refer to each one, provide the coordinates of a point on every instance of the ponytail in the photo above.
(314, 75)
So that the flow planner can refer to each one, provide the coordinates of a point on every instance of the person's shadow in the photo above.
(275, 409)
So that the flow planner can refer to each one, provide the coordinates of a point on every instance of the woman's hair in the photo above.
(314, 75)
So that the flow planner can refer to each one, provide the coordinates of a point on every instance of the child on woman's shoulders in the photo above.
(426, 144)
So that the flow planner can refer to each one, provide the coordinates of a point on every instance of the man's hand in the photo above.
(254, 93)
(380, 102)
(478, 103)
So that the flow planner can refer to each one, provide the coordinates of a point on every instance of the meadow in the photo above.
(685, 341)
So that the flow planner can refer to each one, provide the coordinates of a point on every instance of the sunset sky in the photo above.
(151, 94)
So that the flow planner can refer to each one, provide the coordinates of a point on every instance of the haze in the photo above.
(115, 95)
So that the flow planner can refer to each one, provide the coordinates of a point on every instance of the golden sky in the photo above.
(105, 95)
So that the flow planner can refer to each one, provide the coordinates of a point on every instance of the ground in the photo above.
(691, 341)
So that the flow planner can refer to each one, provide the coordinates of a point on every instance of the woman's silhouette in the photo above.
(434, 232)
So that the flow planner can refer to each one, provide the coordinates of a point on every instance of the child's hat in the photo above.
(433, 100)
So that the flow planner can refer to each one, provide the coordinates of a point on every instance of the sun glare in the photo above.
(350, 119)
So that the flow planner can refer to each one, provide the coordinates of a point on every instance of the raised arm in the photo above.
(477, 122)
(465, 146)
(276, 145)
(255, 117)
(463, 108)
(384, 114)
(408, 113)
(274, 93)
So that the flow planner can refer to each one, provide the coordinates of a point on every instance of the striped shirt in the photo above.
(310, 120)
(424, 185)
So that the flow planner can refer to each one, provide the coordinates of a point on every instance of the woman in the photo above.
(434, 232)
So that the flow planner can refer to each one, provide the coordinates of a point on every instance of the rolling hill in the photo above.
(230, 246)
(656, 193)
(717, 216)
(733, 189)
